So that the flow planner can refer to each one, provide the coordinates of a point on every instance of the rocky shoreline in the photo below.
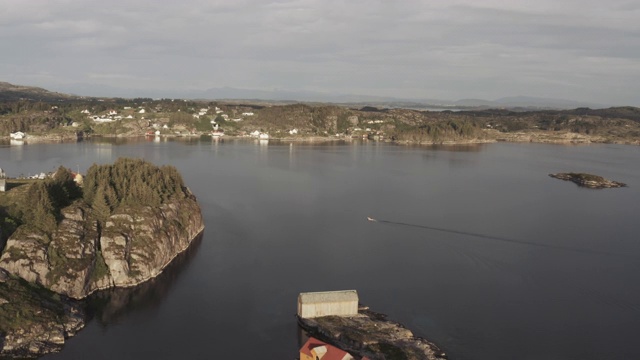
(34, 321)
(372, 335)
(588, 180)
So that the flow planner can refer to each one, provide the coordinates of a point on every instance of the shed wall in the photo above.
(343, 308)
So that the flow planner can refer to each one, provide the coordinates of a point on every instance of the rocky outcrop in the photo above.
(588, 180)
(34, 321)
(82, 257)
(370, 334)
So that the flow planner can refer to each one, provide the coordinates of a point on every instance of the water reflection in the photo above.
(110, 305)
(16, 147)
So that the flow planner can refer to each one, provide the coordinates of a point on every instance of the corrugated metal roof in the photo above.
(328, 296)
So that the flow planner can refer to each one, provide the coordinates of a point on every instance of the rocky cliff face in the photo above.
(81, 257)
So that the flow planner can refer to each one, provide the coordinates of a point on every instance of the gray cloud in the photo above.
(576, 49)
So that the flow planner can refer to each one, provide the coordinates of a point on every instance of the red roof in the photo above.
(332, 353)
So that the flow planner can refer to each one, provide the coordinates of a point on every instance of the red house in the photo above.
(315, 349)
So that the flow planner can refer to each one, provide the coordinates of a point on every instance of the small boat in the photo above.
(371, 219)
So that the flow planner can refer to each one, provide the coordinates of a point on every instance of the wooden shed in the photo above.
(316, 304)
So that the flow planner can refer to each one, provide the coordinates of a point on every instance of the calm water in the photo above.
(555, 276)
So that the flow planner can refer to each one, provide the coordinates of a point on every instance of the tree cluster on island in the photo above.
(105, 190)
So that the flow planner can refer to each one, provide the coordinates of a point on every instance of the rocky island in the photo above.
(122, 227)
(337, 318)
(588, 180)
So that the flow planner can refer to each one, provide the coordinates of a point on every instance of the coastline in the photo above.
(492, 137)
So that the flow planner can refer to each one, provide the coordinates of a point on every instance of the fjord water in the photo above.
(533, 267)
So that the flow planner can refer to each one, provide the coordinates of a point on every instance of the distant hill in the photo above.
(527, 102)
(520, 103)
(11, 92)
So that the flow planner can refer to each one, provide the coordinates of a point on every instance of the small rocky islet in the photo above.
(373, 336)
(588, 180)
(69, 241)
(338, 319)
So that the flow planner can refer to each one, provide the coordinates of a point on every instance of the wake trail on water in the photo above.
(497, 238)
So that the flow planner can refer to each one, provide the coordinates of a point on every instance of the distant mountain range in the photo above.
(10, 91)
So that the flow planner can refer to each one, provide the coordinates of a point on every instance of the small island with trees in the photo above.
(63, 241)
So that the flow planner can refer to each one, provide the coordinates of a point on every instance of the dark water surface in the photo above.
(481, 251)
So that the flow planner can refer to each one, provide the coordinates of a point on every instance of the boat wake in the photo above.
(497, 238)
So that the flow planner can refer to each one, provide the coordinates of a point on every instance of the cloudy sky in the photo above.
(445, 49)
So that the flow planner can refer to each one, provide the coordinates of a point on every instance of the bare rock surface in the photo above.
(588, 180)
(370, 334)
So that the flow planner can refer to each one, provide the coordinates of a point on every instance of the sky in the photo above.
(580, 50)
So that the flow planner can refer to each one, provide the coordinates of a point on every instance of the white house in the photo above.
(247, 113)
(18, 135)
(112, 112)
(263, 136)
(255, 133)
(142, 111)
(130, 117)
(293, 131)
(85, 111)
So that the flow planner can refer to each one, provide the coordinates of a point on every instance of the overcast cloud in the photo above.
(574, 49)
